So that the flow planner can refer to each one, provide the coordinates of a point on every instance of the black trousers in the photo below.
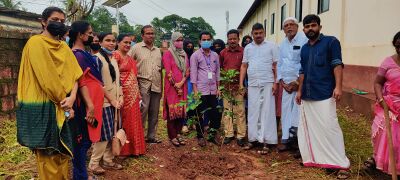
(208, 102)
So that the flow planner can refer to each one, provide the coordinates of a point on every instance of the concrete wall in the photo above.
(11, 46)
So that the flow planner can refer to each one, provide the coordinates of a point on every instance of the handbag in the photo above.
(119, 138)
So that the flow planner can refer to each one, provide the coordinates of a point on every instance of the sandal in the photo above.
(249, 146)
(181, 141)
(343, 174)
(113, 165)
(175, 142)
(97, 170)
(369, 164)
(264, 151)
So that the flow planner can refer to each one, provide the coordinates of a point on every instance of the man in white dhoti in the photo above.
(320, 138)
(288, 73)
(259, 62)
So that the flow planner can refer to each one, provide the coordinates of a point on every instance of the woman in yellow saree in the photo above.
(47, 87)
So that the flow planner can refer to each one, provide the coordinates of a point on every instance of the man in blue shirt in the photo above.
(320, 86)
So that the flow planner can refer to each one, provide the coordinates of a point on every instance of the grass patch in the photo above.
(15, 160)
(357, 138)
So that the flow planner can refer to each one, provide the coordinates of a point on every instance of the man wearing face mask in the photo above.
(204, 76)
(47, 88)
(319, 89)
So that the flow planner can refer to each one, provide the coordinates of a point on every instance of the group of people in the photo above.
(71, 99)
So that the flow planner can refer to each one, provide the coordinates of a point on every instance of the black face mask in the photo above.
(188, 51)
(95, 46)
(56, 28)
(89, 41)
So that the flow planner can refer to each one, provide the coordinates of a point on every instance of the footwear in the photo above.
(228, 140)
(282, 148)
(240, 142)
(113, 165)
(175, 142)
(96, 169)
(201, 142)
(185, 129)
(181, 141)
(249, 146)
(369, 164)
(153, 141)
(264, 150)
(343, 174)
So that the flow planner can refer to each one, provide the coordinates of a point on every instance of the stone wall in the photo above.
(11, 46)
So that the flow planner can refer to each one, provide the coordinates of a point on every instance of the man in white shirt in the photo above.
(259, 62)
(288, 74)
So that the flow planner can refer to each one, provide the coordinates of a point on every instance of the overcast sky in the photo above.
(143, 11)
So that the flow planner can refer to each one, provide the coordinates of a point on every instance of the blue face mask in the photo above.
(67, 39)
(107, 51)
(133, 43)
(205, 44)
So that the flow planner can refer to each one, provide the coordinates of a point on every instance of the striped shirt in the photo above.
(149, 66)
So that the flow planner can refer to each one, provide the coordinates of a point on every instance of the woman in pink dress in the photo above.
(130, 111)
(176, 66)
(387, 89)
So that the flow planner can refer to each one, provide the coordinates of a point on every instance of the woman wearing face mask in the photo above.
(176, 66)
(47, 88)
(189, 49)
(218, 46)
(112, 101)
(88, 107)
(130, 110)
(95, 45)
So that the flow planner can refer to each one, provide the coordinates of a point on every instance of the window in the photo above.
(299, 10)
(283, 15)
(265, 25)
(272, 23)
(323, 6)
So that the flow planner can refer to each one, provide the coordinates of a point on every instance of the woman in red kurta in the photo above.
(131, 117)
(175, 87)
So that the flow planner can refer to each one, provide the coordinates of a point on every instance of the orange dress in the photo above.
(131, 116)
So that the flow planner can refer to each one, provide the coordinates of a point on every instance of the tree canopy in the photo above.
(11, 4)
(190, 28)
(102, 19)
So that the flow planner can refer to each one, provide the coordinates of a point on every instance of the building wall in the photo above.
(365, 29)
(11, 46)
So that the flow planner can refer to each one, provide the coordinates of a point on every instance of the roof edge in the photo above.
(250, 12)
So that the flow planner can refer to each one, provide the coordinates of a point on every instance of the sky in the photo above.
(143, 11)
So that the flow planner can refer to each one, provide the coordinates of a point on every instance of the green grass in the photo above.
(15, 161)
(357, 137)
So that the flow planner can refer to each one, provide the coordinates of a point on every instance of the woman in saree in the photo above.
(130, 110)
(88, 107)
(387, 90)
(176, 66)
(47, 88)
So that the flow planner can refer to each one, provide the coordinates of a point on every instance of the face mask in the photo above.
(218, 50)
(107, 51)
(133, 43)
(178, 44)
(205, 44)
(67, 39)
(56, 28)
(89, 41)
(95, 46)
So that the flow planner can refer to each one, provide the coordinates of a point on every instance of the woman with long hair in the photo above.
(88, 107)
(130, 110)
(113, 98)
